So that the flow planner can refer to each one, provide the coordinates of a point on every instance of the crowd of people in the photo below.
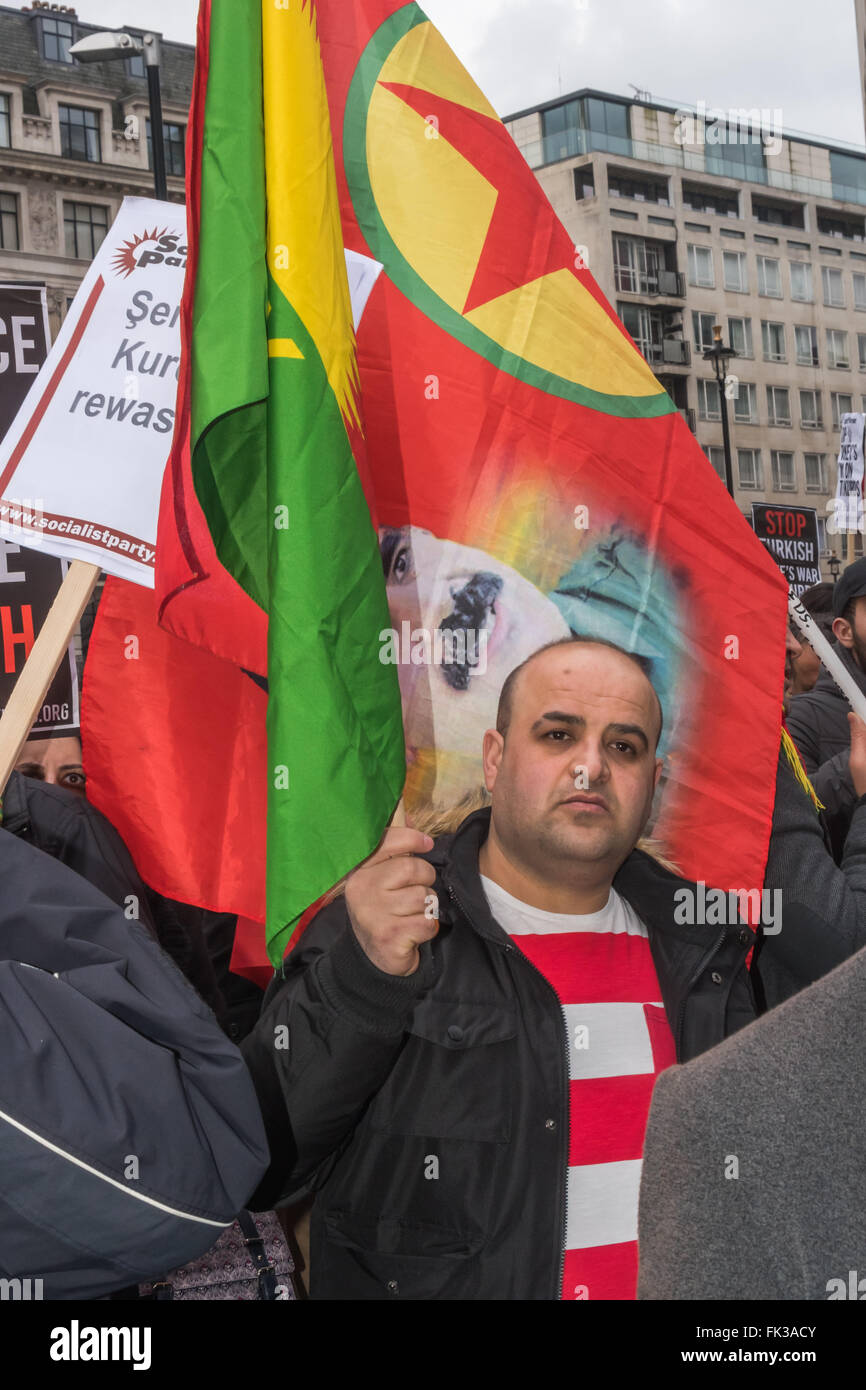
(519, 1059)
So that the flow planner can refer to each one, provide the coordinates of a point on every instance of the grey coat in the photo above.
(818, 724)
(754, 1164)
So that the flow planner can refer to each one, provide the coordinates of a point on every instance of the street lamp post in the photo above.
(834, 562)
(720, 355)
(111, 47)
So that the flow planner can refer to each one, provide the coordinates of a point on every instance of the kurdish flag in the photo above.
(274, 392)
(527, 474)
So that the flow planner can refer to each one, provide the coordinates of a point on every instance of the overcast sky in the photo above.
(794, 56)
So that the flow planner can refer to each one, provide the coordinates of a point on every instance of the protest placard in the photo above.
(81, 465)
(848, 510)
(791, 536)
(24, 343)
(29, 583)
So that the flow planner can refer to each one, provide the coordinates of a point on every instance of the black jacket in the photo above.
(365, 1078)
(818, 724)
(63, 824)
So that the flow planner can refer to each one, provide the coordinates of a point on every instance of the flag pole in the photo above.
(41, 665)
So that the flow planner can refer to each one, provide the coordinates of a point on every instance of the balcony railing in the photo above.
(552, 148)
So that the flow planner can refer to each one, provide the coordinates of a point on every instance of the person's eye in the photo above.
(401, 564)
(557, 735)
(623, 747)
(74, 779)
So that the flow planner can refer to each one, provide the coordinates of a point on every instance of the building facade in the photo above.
(74, 141)
(689, 218)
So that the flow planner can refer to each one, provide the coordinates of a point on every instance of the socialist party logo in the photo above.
(150, 248)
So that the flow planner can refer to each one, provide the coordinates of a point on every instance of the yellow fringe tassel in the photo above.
(799, 771)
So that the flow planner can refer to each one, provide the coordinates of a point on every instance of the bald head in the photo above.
(509, 694)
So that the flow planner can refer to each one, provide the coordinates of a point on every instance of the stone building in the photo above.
(74, 141)
(690, 218)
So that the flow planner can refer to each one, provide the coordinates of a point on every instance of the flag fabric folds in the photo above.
(527, 474)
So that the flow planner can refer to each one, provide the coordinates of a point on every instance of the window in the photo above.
(801, 281)
(85, 226)
(701, 267)
(58, 36)
(859, 289)
(135, 63)
(848, 172)
(736, 151)
(740, 334)
(643, 189)
(735, 272)
(79, 133)
(816, 472)
(778, 214)
(834, 296)
(716, 457)
(784, 476)
(861, 351)
(806, 341)
(703, 198)
(837, 348)
(583, 124)
(841, 225)
(709, 407)
(702, 330)
(773, 338)
(645, 326)
(811, 414)
(779, 405)
(841, 403)
(173, 138)
(746, 404)
(822, 535)
(749, 467)
(8, 222)
(769, 277)
(584, 180)
(637, 264)
(6, 127)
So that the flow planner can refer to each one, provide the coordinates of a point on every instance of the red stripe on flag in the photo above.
(36, 418)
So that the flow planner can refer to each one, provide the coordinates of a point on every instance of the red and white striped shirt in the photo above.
(618, 1040)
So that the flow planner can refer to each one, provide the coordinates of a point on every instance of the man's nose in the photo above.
(791, 643)
(591, 759)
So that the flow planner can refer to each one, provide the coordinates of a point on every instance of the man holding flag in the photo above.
(411, 1069)
(503, 426)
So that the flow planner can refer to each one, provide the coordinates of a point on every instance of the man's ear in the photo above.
(491, 756)
(660, 764)
(842, 632)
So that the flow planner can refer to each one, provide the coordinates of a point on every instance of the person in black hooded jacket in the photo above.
(818, 720)
(64, 824)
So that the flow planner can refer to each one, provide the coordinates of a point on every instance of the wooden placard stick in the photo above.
(45, 656)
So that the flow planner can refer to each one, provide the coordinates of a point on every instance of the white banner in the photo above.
(849, 478)
(81, 466)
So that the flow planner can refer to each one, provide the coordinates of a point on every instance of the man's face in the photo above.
(574, 776)
(55, 760)
(853, 635)
(793, 649)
